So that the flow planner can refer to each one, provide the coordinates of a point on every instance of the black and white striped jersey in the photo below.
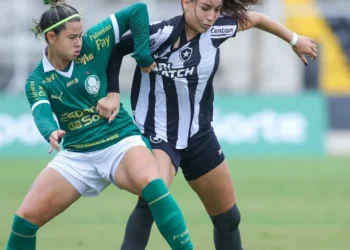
(176, 100)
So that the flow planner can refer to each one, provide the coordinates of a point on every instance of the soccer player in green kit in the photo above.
(68, 82)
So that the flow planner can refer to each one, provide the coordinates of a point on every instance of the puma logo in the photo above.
(57, 97)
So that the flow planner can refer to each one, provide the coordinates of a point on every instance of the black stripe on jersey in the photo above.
(179, 26)
(193, 82)
(172, 107)
(206, 104)
(135, 88)
(149, 122)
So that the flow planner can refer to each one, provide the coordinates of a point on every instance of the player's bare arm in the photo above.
(301, 45)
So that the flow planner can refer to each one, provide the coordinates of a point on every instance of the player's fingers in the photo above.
(113, 115)
(303, 58)
(102, 112)
(50, 149)
(61, 133)
(54, 136)
(55, 145)
(107, 113)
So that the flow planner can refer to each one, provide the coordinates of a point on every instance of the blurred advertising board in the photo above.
(246, 125)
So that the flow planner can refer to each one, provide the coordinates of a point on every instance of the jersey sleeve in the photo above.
(161, 31)
(224, 28)
(41, 108)
(102, 37)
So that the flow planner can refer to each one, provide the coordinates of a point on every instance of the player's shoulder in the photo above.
(169, 22)
(224, 27)
(37, 75)
(225, 20)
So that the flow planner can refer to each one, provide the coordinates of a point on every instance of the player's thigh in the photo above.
(206, 171)
(137, 168)
(215, 189)
(166, 168)
(168, 158)
(50, 195)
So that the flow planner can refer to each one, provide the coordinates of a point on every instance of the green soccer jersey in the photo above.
(73, 94)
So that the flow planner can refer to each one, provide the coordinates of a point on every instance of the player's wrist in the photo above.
(113, 95)
(294, 40)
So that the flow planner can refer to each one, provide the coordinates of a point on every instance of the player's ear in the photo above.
(51, 37)
(186, 3)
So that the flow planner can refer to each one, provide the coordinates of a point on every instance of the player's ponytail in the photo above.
(55, 18)
(238, 8)
(53, 3)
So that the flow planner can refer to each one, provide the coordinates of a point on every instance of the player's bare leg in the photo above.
(215, 189)
(49, 196)
(138, 173)
(137, 234)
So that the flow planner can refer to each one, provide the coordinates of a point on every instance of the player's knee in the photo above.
(142, 204)
(32, 215)
(228, 221)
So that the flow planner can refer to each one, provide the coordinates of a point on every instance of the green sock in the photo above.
(23, 235)
(167, 215)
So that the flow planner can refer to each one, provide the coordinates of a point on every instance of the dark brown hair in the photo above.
(58, 11)
(238, 9)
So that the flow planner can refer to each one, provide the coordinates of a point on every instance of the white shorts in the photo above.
(91, 172)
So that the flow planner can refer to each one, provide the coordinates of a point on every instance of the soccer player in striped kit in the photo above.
(173, 106)
(69, 81)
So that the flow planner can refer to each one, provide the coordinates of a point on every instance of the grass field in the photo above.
(286, 204)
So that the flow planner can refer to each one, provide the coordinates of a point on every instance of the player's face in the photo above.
(69, 41)
(202, 14)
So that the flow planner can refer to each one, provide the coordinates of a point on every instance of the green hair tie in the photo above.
(46, 2)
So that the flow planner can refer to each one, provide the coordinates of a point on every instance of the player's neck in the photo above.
(190, 33)
(57, 62)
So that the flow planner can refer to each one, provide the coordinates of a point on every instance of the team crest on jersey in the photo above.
(155, 139)
(92, 84)
(185, 54)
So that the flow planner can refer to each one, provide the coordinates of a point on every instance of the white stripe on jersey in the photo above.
(38, 103)
(115, 28)
(160, 109)
(157, 39)
(183, 102)
(142, 102)
(204, 66)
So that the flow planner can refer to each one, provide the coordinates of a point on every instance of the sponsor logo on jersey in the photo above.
(152, 41)
(185, 54)
(74, 81)
(100, 32)
(92, 84)
(49, 79)
(84, 59)
(166, 69)
(155, 139)
(57, 97)
(222, 31)
(102, 43)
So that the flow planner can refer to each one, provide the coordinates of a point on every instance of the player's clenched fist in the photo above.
(108, 107)
(149, 68)
(55, 139)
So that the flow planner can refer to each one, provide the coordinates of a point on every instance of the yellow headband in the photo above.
(61, 22)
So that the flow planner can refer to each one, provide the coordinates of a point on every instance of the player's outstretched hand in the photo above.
(108, 107)
(305, 47)
(149, 68)
(55, 139)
